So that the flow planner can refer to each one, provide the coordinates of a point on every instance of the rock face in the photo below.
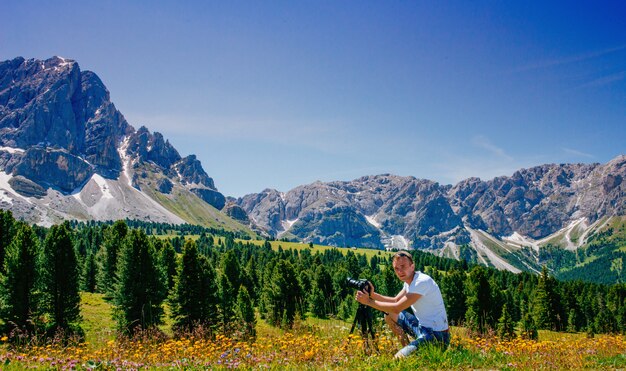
(364, 212)
(26, 187)
(59, 129)
(384, 209)
(236, 212)
(537, 202)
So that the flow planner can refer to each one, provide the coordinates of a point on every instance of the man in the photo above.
(420, 292)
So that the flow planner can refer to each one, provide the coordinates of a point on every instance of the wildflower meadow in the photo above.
(310, 344)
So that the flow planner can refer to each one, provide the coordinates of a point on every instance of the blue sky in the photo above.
(276, 94)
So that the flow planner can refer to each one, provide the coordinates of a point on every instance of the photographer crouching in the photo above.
(421, 293)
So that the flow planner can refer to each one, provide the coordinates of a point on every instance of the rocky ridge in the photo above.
(61, 137)
(387, 210)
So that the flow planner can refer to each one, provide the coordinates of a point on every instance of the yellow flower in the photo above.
(4, 338)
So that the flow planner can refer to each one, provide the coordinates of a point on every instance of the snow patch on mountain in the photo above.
(12, 150)
(104, 187)
(484, 251)
(372, 220)
(451, 250)
(517, 240)
(399, 242)
(288, 223)
(574, 226)
(125, 161)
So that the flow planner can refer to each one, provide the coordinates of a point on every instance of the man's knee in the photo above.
(391, 318)
(392, 321)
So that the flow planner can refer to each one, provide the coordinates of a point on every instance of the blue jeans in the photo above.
(422, 334)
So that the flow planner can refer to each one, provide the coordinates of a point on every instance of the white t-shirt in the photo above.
(429, 308)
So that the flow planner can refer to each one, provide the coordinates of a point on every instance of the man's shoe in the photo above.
(405, 351)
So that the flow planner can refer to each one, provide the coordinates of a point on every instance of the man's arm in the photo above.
(387, 299)
(404, 301)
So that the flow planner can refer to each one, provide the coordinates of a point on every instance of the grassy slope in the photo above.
(602, 242)
(321, 248)
(185, 204)
(302, 246)
(195, 211)
(97, 318)
(513, 255)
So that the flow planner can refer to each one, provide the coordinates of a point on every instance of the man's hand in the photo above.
(363, 297)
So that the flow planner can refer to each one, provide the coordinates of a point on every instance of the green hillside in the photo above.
(601, 259)
(185, 204)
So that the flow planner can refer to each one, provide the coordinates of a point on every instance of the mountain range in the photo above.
(66, 152)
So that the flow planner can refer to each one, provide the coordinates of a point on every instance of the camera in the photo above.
(359, 284)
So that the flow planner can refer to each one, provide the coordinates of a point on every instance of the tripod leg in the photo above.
(363, 323)
(364, 319)
(357, 318)
(370, 325)
(370, 319)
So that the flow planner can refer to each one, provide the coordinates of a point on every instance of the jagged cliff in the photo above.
(67, 152)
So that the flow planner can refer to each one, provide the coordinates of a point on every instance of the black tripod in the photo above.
(364, 318)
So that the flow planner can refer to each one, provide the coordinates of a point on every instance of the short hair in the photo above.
(405, 254)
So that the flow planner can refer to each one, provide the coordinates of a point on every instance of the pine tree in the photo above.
(17, 285)
(59, 279)
(226, 303)
(391, 284)
(571, 321)
(90, 271)
(193, 298)
(249, 278)
(229, 241)
(528, 328)
(229, 281)
(283, 294)
(245, 313)
(478, 314)
(205, 243)
(231, 269)
(604, 321)
(546, 302)
(140, 290)
(621, 319)
(317, 303)
(616, 303)
(80, 248)
(324, 283)
(453, 292)
(498, 297)
(264, 296)
(112, 244)
(347, 308)
(167, 262)
(506, 325)
(351, 264)
(7, 231)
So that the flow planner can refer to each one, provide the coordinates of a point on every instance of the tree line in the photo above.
(221, 285)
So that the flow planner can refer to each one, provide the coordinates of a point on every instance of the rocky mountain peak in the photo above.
(152, 147)
(58, 129)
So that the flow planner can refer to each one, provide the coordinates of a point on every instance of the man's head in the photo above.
(403, 266)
